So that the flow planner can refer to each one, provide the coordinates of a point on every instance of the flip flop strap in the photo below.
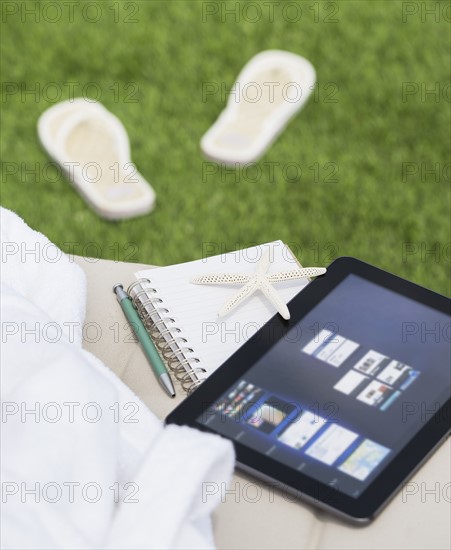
(111, 122)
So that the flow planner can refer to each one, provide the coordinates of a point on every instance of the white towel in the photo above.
(40, 271)
(75, 473)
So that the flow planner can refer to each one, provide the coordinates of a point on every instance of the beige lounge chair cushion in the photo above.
(254, 516)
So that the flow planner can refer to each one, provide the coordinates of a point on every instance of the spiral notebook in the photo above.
(182, 318)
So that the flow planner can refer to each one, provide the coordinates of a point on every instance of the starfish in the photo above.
(261, 280)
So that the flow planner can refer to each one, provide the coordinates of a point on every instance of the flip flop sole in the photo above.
(271, 88)
(92, 147)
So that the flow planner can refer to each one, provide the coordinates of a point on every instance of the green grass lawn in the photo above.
(351, 175)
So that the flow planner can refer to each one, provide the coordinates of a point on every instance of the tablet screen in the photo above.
(345, 389)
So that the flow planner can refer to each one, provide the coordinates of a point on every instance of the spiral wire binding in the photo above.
(168, 339)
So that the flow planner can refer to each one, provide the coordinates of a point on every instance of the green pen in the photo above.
(148, 346)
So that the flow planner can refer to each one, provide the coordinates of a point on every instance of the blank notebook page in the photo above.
(194, 308)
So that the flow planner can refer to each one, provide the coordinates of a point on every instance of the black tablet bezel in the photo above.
(384, 486)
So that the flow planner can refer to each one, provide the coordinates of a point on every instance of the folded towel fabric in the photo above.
(85, 464)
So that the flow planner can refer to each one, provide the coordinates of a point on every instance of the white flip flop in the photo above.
(270, 89)
(92, 147)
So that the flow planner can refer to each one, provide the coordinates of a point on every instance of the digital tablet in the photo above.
(343, 402)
